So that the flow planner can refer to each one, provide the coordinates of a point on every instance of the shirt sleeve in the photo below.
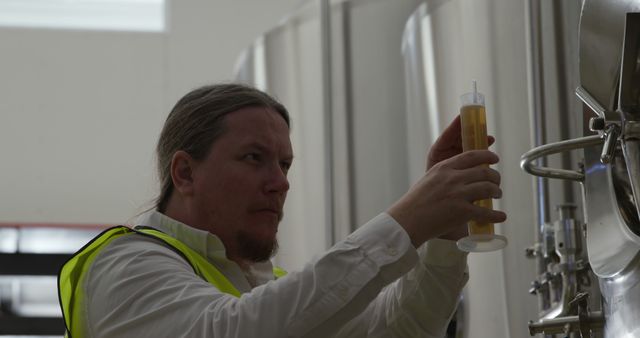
(420, 303)
(139, 288)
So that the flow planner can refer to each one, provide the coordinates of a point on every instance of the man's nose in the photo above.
(278, 181)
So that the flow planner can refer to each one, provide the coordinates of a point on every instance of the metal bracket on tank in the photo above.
(606, 124)
(585, 323)
(609, 131)
(527, 159)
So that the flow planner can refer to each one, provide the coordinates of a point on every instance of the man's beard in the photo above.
(254, 250)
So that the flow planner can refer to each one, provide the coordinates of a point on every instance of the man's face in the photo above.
(241, 186)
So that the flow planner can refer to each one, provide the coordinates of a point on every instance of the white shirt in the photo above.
(372, 284)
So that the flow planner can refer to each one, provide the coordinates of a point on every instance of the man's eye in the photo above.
(285, 165)
(252, 157)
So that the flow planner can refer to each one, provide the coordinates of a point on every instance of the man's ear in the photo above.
(182, 165)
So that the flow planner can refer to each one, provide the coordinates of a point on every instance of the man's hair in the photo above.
(197, 120)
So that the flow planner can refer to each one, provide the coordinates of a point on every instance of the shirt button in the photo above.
(391, 251)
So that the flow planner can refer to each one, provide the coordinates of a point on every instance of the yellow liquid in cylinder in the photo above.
(474, 137)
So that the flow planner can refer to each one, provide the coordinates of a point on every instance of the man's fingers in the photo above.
(451, 134)
(480, 190)
(453, 131)
(480, 173)
(484, 215)
(472, 158)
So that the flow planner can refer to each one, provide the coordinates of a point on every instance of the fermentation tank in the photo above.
(609, 91)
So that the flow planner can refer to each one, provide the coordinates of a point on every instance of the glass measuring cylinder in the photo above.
(474, 137)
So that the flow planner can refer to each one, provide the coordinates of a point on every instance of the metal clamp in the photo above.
(610, 132)
(527, 159)
(585, 323)
(591, 102)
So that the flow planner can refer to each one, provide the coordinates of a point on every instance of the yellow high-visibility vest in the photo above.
(73, 272)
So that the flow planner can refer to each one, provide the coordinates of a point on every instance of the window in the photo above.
(120, 15)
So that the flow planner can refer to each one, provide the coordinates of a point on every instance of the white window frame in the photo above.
(111, 15)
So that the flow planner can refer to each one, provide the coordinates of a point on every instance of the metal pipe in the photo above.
(537, 117)
(555, 325)
(527, 159)
(567, 246)
(537, 99)
(327, 81)
(563, 325)
(349, 104)
(563, 92)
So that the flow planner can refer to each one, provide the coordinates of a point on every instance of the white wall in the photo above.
(80, 111)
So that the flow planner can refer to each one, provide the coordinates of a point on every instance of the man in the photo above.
(199, 264)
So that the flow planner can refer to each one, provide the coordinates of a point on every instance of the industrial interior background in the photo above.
(369, 84)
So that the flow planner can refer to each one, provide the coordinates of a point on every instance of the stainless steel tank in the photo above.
(609, 63)
(610, 31)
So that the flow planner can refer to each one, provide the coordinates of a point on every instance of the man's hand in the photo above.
(448, 144)
(441, 203)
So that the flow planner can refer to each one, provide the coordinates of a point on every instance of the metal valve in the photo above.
(610, 132)
(611, 135)
(535, 286)
(532, 251)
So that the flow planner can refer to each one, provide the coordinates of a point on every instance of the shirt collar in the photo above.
(206, 244)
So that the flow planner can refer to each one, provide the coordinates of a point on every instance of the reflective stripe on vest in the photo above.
(72, 274)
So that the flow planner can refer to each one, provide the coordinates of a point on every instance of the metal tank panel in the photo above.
(611, 242)
(609, 63)
(608, 68)
(601, 36)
